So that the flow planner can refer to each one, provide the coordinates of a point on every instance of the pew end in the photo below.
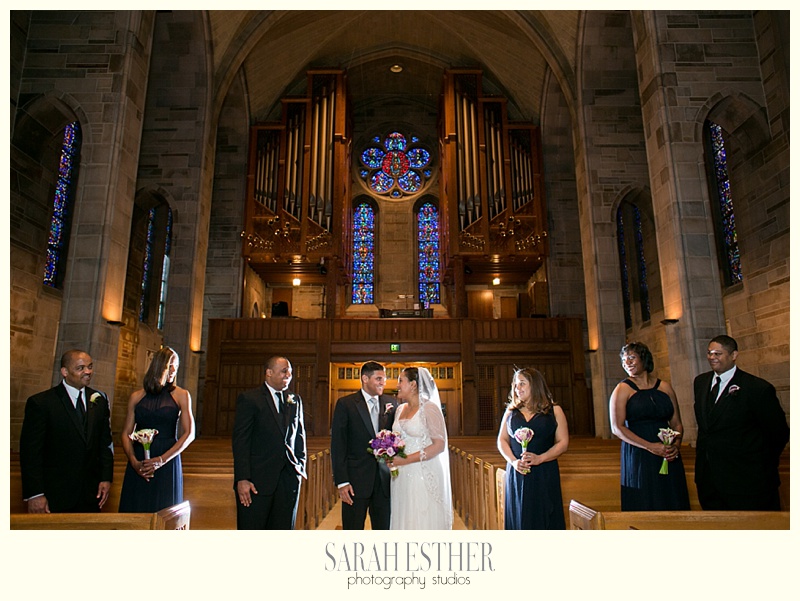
(582, 517)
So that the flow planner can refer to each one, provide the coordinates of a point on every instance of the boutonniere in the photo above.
(388, 409)
(733, 389)
(94, 397)
(290, 399)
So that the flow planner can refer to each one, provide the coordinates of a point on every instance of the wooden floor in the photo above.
(589, 474)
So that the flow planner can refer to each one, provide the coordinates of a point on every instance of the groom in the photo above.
(363, 482)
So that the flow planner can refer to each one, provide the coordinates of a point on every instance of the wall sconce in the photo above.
(114, 322)
(296, 282)
(669, 322)
(496, 282)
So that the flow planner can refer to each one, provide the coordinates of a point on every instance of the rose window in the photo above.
(395, 167)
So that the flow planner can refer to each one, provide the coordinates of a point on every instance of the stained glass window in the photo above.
(726, 229)
(147, 267)
(162, 297)
(62, 205)
(644, 294)
(363, 254)
(623, 266)
(395, 167)
(428, 254)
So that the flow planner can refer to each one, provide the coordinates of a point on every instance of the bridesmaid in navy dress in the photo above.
(533, 483)
(640, 405)
(153, 484)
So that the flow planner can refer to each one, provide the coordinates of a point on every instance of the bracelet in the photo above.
(162, 460)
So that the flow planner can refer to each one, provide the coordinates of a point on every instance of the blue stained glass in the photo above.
(147, 266)
(162, 297)
(623, 266)
(644, 294)
(728, 235)
(372, 157)
(398, 170)
(428, 254)
(363, 255)
(395, 141)
(418, 157)
(62, 202)
(410, 182)
(381, 182)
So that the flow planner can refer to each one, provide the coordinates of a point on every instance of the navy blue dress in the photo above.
(643, 488)
(533, 501)
(165, 488)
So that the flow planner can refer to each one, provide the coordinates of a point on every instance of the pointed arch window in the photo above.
(623, 266)
(722, 207)
(363, 254)
(428, 254)
(63, 201)
(147, 267)
(162, 296)
(637, 250)
(155, 263)
(644, 294)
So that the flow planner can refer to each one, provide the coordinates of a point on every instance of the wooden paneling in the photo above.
(238, 349)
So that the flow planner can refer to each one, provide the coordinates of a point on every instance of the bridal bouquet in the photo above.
(523, 436)
(144, 436)
(386, 446)
(667, 436)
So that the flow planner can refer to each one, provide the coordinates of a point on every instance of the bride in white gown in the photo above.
(421, 494)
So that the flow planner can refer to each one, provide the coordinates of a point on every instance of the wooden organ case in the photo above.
(491, 192)
(298, 188)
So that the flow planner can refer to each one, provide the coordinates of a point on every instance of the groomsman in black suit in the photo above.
(363, 482)
(269, 451)
(742, 431)
(66, 451)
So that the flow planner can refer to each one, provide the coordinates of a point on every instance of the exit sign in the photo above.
(394, 347)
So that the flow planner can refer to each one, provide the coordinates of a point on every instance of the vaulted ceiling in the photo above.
(273, 49)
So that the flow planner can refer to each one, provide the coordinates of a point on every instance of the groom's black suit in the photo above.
(59, 457)
(739, 442)
(351, 431)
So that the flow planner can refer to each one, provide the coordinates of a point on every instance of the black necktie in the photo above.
(281, 407)
(712, 399)
(79, 407)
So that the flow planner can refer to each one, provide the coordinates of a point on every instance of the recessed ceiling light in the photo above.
(396, 68)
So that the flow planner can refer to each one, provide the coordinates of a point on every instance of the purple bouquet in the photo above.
(386, 446)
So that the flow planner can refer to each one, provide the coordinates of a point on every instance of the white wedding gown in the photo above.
(421, 497)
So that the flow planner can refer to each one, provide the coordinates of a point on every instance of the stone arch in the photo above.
(739, 115)
(44, 117)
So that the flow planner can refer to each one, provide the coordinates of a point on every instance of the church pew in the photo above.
(589, 471)
(177, 517)
(208, 485)
(582, 517)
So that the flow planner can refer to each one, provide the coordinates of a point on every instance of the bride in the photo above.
(421, 498)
